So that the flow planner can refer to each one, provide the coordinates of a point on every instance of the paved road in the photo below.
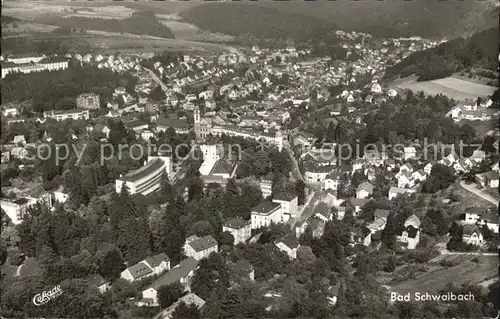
(473, 189)
(297, 175)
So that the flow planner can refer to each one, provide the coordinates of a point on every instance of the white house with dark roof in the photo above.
(409, 153)
(289, 204)
(182, 273)
(332, 181)
(266, 213)
(410, 236)
(472, 235)
(200, 248)
(396, 191)
(137, 272)
(189, 299)
(364, 190)
(288, 244)
(159, 263)
(483, 217)
(240, 229)
(488, 179)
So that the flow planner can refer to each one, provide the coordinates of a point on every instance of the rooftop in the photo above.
(236, 223)
(144, 171)
(176, 273)
(266, 208)
(140, 269)
(155, 261)
(203, 243)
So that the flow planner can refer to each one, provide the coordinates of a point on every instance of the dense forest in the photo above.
(479, 51)
(20, 45)
(260, 22)
(57, 90)
(143, 23)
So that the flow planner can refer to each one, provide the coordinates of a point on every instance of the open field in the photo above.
(466, 271)
(452, 87)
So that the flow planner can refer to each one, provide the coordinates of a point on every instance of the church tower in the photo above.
(197, 115)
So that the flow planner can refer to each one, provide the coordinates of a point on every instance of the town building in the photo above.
(266, 213)
(472, 235)
(288, 244)
(200, 248)
(62, 115)
(240, 229)
(289, 204)
(182, 273)
(146, 179)
(364, 190)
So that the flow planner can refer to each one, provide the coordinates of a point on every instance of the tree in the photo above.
(167, 295)
(389, 232)
(184, 311)
(230, 306)
(110, 263)
(226, 238)
(300, 188)
(157, 94)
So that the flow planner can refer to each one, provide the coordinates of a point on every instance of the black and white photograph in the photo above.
(250, 159)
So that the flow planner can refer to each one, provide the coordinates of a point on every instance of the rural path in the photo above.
(473, 189)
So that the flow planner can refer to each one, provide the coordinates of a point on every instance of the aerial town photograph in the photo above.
(250, 159)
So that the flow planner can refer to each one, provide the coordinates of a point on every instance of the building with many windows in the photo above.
(67, 114)
(33, 64)
(88, 101)
(146, 179)
(240, 229)
(266, 213)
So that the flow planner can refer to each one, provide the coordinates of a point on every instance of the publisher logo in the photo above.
(46, 296)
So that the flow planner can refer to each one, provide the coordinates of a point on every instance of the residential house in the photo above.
(332, 180)
(266, 213)
(243, 270)
(362, 236)
(488, 179)
(396, 191)
(19, 140)
(159, 263)
(482, 217)
(358, 204)
(266, 185)
(316, 225)
(472, 235)
(419, 175)
(240, 229)
(96, 281)
(428, 168)
(461, 166)
(137, 272)
(182, 273)
(188, 299)
(200, 248)
(406, 180)
(410, 236)
(289, 204)
(478, 156)
(288, 244)
(364, 190)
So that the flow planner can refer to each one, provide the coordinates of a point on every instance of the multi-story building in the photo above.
(88, 101)
(200, 248)
(266, 213)
(181, 273)
(62, 115)
(45, 64)
(144, 180)
(240, 229)
(266, 185)
(17, 209)
(289, 204)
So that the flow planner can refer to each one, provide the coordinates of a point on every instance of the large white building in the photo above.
(146, 179)
(289, 204)
(67, 114)
(266, 213)
(33, 64)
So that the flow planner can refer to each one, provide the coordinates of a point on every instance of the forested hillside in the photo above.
(143, 23)
(478, 51)
(260, 22)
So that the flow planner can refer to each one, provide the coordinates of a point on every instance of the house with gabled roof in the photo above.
(182, 273)
(472, 235)
(96, 281)
(364, 190)
(200, 248)
(396, 191)
(288, 244)
(410, 236)
(362, 236)
(240, 229)
(158, 263)
(137, 272)
(488, 179)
